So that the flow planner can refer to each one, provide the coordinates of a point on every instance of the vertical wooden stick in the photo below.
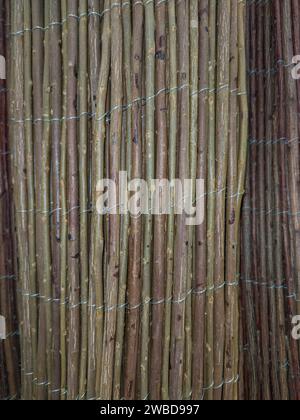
(231, 297)
(180, 267)
(63, 206)
(159, 241)
(97, 232)
(56, 113)
(172, 175)
(73, 204)
(200, 281)
(211, 198)
(20, 194)
(222, 124)
(134, 269)
(113, 271)
(119, 348)
(83, 191)
(194, 87)
(149, 174)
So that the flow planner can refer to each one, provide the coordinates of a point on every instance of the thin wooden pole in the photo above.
(97, 232)
(113, 271)
(37, 78)
(119, 348)
(193, 159)
(134, 268)
(264, 309)
(149, 175)
(73, 204)
(63, 214)
(269, 204)
(222, 138)
(83, 192)
(172, 175)
(20, 194)
(94, 50)
(200, 281)
(56, 112)
(30, 173)
(181, 238)
(231, 297)
(211, 186)
(159, 239)
(9, 354)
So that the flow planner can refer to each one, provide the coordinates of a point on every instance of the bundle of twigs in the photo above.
(119, 306)
(270, 243)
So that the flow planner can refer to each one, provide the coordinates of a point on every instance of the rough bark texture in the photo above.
(101, 303)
